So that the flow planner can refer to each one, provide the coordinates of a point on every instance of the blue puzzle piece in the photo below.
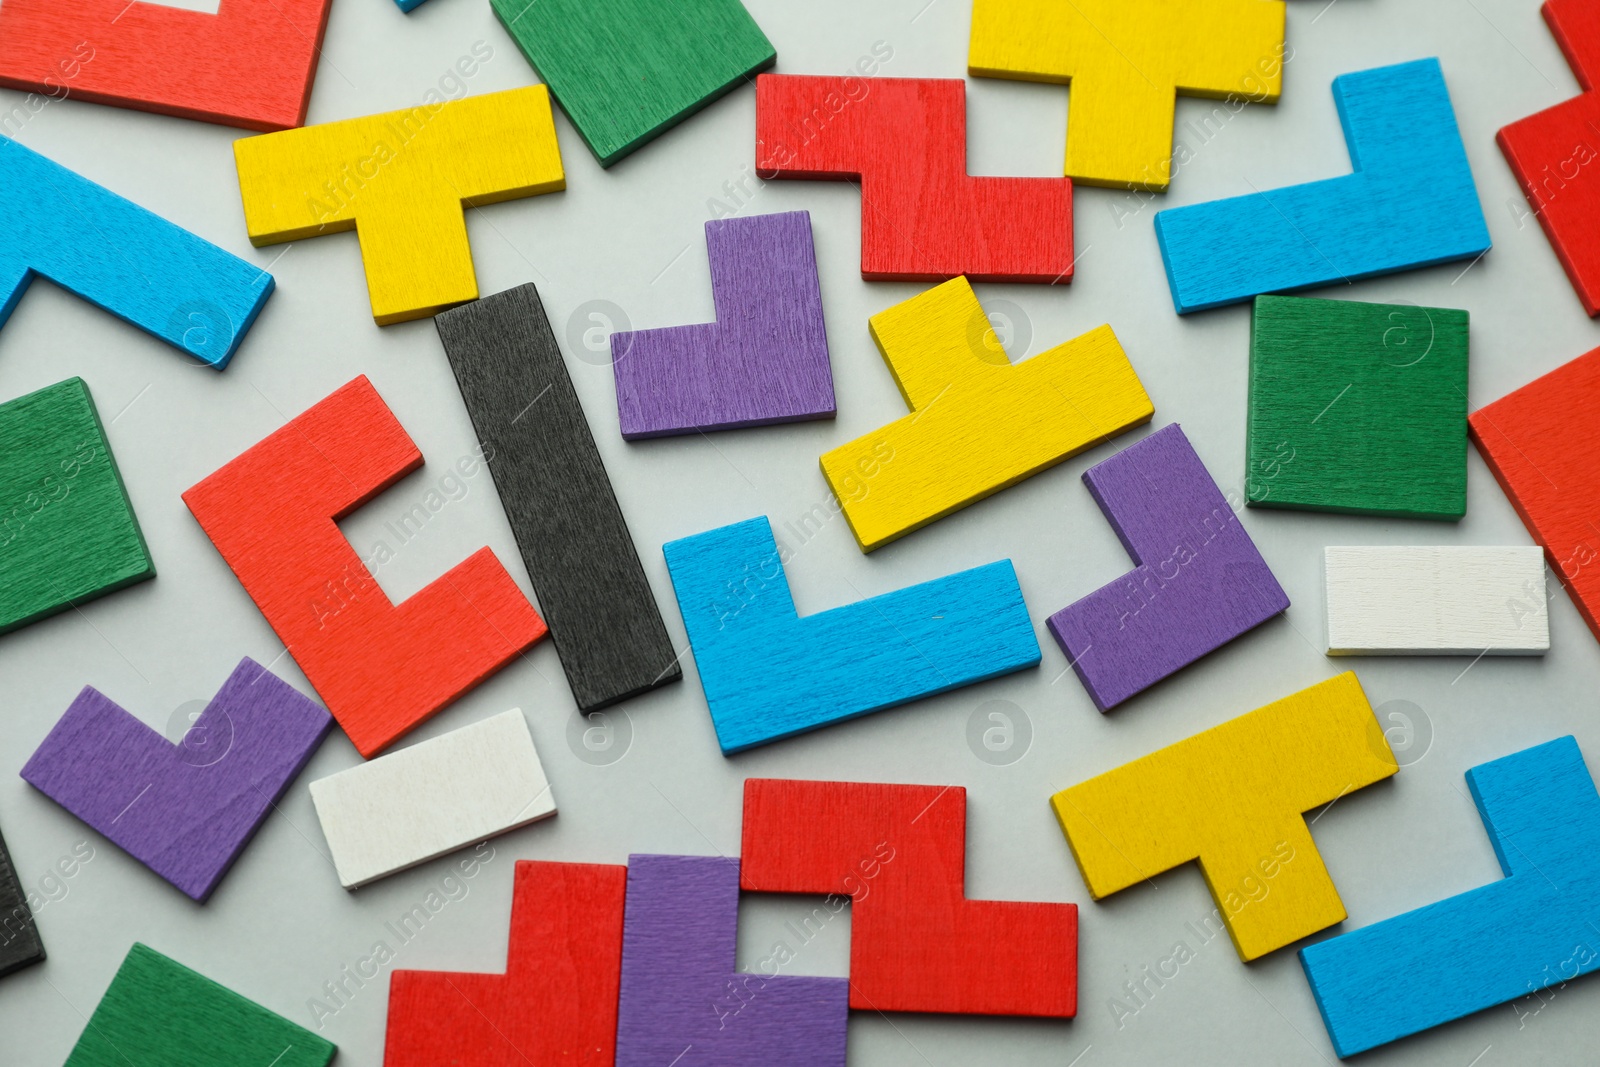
(408, 6)
(1410, 203)
(769, 674)
(112, 252)
(1538, 926)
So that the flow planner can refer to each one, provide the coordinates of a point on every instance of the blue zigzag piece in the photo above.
(131, 262)
(1538, 926)
(1410, 203)
(769, 674)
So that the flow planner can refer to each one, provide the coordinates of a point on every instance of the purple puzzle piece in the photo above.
(764, 360)
(1199, 581)
(682, 1001)
(186, 810)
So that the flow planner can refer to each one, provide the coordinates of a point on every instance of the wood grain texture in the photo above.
(626, 71)
(1426, 601)
(978, 424)
(381, 667)
(1127, 62)
(556, 1002)
(251, 64)
(431, 798)
(407, 178)
(1533, 929)
(1543, 444)
(1358, 408)
(679, 940)
(113, 253)
(1198, 581)
(1552, 153)
(20, 945)
(1231, 798)
(67, 529)
(1410, 203)
(186, 811)
(765, 358)
(553, 484)
(159, 1013)
(923, 217)
(916, 942)
(769, 674)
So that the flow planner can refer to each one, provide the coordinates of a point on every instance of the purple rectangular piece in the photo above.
(764, 360)
(682, 1001)
(185, 810)
(1199, 581)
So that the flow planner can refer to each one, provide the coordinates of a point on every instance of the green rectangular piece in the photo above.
(159, 1013)
(1357, 408)
(67, 530)
(629, 70)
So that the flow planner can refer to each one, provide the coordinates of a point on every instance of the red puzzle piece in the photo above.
(557, 1001)
(381, 668)
(1556, 153)
(923, 217)
(916, 942)
(250, 64)
(1543, 444)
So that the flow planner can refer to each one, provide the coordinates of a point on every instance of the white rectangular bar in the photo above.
(1410, 601)
(421, 802)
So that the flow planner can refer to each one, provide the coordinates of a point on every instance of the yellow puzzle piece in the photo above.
(1232, 798)
(1127, 61)
(402, 180)
(978, 423)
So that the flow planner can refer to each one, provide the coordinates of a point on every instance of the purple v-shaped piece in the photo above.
(683, 1002)
(764, 360)
(185, 811)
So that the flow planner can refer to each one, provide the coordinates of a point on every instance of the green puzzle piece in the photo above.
(628, 70)
(159, 1013)
(1357, 408)
(67, 531)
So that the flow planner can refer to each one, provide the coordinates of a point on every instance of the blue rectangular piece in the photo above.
(1538, 926)
(1410, 203)
(769, 674)
(112, 252)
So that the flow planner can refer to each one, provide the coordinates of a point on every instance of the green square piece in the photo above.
(1358, 408)
(67, 531)
(629, 70)
(159, 1013)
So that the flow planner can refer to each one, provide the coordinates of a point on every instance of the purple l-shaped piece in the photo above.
(185, 811)
(1199, 581)
(764, 360)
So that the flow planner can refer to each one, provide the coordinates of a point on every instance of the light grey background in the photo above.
(280, 926)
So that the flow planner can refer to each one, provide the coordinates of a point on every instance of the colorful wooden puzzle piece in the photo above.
(251, 64)
(916, 942)
(158, 1013)
(20, 945)
(679, 936)
(769, 674)
(1549, 151)
(68, 533)
(765, 358)
(627, 71)
(1410, 203)
(186, 811)
(1127, 62)
(1232, 799)
(978, 424)
(1198, 580)
(923, 217)
(115, 254)
(557, 1001)
(1357, 408)
(1532, 929)
(380, 667)
(406, 177)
